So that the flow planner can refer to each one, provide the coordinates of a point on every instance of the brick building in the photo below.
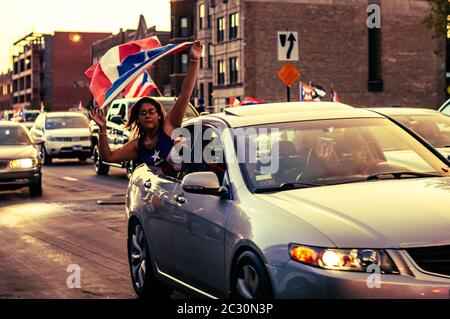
(160, 71)
(5, 91)
(394, 65)
(50, 69)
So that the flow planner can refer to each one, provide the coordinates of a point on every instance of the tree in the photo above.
(437, 18)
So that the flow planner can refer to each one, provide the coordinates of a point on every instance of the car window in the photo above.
(190, 113)
(114, 110)
(435, 128)
(206, 153)
(13, 136)
(446, 110)
(66, 122)
(31, 116)
(329, 152)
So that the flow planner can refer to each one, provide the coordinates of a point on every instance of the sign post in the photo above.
(288, 74)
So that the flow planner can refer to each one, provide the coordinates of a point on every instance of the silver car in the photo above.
(431, 125)
(293, 201)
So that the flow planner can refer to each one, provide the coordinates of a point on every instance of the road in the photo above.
(45, 240)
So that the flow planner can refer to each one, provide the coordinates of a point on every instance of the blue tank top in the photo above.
(158, 155)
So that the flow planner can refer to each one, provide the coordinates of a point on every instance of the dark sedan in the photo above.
(20, 162)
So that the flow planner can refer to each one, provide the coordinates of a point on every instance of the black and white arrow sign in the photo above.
(287, 46)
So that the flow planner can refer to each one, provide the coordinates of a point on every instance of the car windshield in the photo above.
(31, 116)
(326, 152)
(53, 123)
(167, 106)
(435, 128)
(14, 135)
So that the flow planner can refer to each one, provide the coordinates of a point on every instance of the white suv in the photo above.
(65, 135)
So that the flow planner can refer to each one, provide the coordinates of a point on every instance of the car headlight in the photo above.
(343, 259)
(24, 163)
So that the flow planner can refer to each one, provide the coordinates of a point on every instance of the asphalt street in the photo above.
(47, 242)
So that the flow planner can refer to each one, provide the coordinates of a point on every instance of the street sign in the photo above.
(287, 45)
(289, 74)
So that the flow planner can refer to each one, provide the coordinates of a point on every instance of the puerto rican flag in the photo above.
(141, 86)
(306, 92)
(333, 96)
(121, 65)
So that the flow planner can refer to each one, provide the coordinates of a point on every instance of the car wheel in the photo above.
(82, 159)
(35, 188)
(100, 168)
(130, 168)
(250, 279)
(141, 271)
(45, 157)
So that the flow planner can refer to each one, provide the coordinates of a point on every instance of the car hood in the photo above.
(19, 151)
(376, 214)
(69, 132)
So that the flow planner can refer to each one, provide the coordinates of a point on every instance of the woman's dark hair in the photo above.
(133, 119)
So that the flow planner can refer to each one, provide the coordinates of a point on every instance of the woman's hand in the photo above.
(196, 50)
(98, 115)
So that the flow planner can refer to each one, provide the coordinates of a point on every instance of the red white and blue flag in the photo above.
(333, 96)
(122, 64)
(139, 87)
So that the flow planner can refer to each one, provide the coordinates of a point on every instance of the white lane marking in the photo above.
(70, 179)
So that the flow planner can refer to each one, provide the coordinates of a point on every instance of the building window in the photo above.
(184, 63)
(202, 57)
(202, 91)
(209, 55)
(234, 23)
(234, 68)
(220, 72)
(184, 27)
(201, 16)
(220, 29)
(210, 94)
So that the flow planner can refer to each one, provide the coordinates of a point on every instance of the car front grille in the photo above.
(71, 139)
(435, 259)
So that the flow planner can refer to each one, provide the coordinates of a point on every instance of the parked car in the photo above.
(328, 206)
(20, 164)
(445, 108)
(431, 125)
(65, 135)
(29, 116)
(116, 117)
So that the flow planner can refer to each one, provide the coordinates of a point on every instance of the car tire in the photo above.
(141, 270)
(47, 159)
(35, 188)
(82, 159)
(100, 168)
(250, 279)
(130, 166)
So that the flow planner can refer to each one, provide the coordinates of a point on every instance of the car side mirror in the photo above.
(205, 183)
(117, 119)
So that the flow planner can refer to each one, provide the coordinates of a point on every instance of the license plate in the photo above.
(77, 148)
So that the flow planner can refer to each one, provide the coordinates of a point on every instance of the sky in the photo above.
(20, 17)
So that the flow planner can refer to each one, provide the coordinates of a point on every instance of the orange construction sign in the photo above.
(289, 74)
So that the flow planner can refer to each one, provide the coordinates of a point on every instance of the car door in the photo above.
(198, 229)
(156, 208)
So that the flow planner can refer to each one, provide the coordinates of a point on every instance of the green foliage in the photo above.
(436, 19)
